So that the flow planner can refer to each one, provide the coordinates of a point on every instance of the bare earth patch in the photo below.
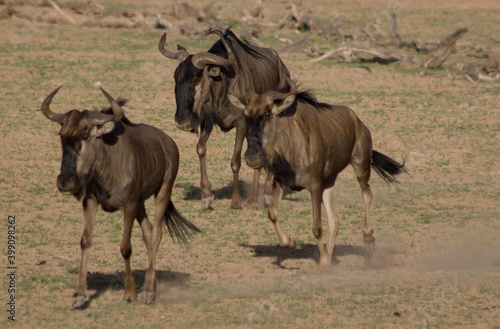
(438, 260)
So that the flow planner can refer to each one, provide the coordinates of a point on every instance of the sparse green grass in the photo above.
(446, 130)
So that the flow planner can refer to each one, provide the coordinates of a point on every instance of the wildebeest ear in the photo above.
(106, 128)
(236, 101)
(213, 71)
(287, 102)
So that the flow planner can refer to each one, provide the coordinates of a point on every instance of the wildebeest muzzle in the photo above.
(186, 124)
(254, 158)
(67, 183)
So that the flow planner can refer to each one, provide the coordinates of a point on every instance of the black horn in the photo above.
(56, 117)
(101, 118)
(201, 59)
(181, 54)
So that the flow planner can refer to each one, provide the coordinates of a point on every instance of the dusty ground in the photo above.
(438, 258)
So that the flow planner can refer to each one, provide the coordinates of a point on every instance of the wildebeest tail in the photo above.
(180, 228)
(386, 167)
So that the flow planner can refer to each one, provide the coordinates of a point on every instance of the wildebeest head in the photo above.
(78, 129)
(193, 80)
(260, 111)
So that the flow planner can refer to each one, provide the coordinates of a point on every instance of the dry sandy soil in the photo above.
(438, 231)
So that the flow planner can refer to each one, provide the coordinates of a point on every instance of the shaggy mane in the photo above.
(230, 37)
(121, 101)
(307, 97)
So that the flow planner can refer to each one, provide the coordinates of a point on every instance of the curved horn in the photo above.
(234, 98)
(201, 59)
(230, 89)
(98, 119)
(230, 55)
(56, 117)
(181, 54)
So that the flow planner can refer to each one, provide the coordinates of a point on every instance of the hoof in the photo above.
(236, 205)
(129, 297)
(148, 297)
(251, 204)
(370, 246)
(290, 244)
(78, 302)
(207, 202)
(325, 264)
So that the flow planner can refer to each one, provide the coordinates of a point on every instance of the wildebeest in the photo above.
(109, 161)
(305, 144)
(201, 82)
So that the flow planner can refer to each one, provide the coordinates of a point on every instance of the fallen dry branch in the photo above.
(303, 44)
(372, 33)
(113, 22)
(353, 53)
(374, 42)
(341, 32)
(7, 12)
(298, 18)
(444, 49)
(202, 14)
(161, 23)
(487, 71)
(394, 25)
(257, 11)
(250, 36)
(60, 12)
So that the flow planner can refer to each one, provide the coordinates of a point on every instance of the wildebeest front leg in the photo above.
(252, 200)
(207, 196)
(129, 214)
(276, 196)
(236, 163)
(268, 189)
(325, 260)
(89, 212)
(333, 220)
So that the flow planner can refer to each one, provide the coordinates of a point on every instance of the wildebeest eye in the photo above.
(266, 114)
(72, 146)
(85, 134)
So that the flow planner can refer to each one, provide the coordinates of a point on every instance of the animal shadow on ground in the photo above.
(225, 192)
(306, 251)
(194, 192)
(100, 283)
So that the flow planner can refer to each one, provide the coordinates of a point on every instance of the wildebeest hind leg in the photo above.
(161, 202)
(89, 212)
(367, 227)
(276, 196)
(147, 231)
(129, 214)
(362, 170)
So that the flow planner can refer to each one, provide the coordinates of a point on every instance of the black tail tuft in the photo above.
(386, 167)
(180, 228)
